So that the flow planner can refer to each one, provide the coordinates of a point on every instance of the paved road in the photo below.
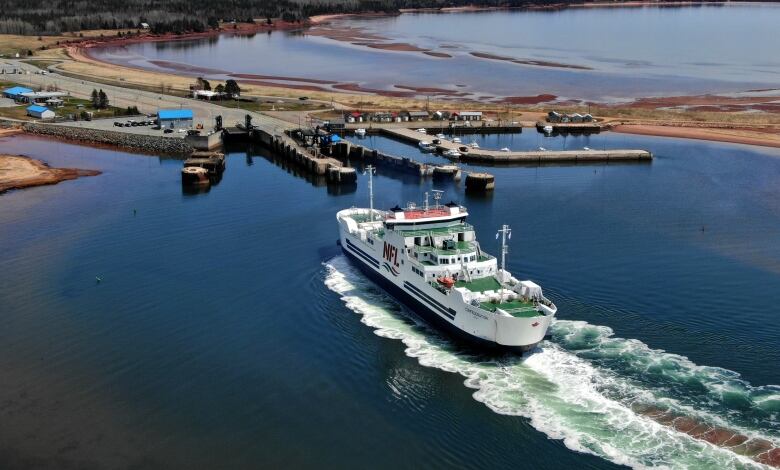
(147, 102)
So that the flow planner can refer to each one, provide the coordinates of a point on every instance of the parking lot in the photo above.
(126, 126)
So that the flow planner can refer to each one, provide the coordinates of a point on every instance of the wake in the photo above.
(611, 397)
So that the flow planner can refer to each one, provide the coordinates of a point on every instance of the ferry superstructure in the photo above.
(428, 257)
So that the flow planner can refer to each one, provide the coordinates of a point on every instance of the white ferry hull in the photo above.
(445, 312)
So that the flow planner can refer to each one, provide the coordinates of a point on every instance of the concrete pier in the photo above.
(309, 158)
(534, 156)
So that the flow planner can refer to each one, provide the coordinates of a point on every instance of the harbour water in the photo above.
(227, 331)
(619, 52)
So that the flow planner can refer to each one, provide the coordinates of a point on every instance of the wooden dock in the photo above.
(533, 156)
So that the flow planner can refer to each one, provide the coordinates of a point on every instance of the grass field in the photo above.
(71, 107)
(264, 105)
(10, 44)
(41, 63)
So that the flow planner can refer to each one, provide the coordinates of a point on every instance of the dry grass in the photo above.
(80, 66)
(627, 114)
(10, 44)
(71, 107)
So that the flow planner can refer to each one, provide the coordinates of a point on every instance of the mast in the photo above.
(505, 232)
(370, 170)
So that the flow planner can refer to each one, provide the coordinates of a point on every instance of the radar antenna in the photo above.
(436, 197)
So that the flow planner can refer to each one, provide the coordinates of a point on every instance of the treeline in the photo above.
(38, 17)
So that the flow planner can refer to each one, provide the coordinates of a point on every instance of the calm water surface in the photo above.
(228, 331)
(632, 52)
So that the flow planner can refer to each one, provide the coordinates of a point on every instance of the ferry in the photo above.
(428, 257)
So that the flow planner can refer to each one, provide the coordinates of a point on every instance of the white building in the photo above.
(40, 112)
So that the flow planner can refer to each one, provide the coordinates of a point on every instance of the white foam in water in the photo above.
(562, 395)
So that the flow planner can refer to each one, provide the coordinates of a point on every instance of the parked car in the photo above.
(303, 98)
(117, 124)
(168, 130)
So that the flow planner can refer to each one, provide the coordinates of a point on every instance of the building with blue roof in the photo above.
(40, 112)
(175, 118)
(15, 93)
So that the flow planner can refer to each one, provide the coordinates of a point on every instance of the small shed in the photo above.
(40, 112)
(354, 117)
(175, 118)
(55, 103)
(418, 115)
(441, 115)
(15, 93)
(587, 118)
(383, 117)
(467, 116)
(553, 116)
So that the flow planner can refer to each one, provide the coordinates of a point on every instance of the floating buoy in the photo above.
(98, 279)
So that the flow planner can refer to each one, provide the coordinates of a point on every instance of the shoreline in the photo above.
(715, 113)
(19, 172)
(710, 134)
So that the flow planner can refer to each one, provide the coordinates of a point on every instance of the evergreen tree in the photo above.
(102, 99)
(232, 88)
(95, 99)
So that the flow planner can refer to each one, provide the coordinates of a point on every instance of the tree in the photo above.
(102, 100)
(220, 88)
(95, 99)
(232, 88)
(201, 84)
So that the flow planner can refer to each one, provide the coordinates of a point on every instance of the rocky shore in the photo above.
(144, 143)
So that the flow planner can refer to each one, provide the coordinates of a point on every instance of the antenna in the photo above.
(436, 197)
(370, 170)
(505, 231)
(426, 202)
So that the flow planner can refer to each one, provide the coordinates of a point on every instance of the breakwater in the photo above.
(535, 156)
(475, 182)
(346, 150)
(144, 143)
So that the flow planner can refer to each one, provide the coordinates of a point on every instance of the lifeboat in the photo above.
(446, 281)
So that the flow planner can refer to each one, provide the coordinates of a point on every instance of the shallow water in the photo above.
(222, 333)
(631, 52)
